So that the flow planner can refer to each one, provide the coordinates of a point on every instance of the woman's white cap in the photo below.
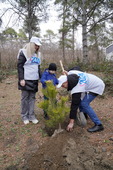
(62, 79)
(36, 40)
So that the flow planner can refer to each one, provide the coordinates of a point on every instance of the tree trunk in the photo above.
(63, 34)
(84, 33)
(97, 57)
(60, 127)
(63, 45)
(73, 42)
(29, 20)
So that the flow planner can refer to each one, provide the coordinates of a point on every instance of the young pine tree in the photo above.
(56, 110)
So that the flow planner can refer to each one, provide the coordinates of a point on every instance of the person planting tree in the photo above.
(79, 82)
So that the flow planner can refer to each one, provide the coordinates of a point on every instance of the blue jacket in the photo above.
(48, 76)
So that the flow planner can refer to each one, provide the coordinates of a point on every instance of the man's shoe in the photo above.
(96, 128)
(26, 122)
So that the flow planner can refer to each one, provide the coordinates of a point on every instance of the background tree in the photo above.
(9, 33)
(31, 12)
(50, 36)
(98, 39)
(22, 34)
(83, 14)
(67, 29)
(63, 30)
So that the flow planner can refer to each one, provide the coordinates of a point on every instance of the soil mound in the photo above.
(70, 151)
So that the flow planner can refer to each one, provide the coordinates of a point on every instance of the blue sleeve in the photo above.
(43, 78)
(57, 81)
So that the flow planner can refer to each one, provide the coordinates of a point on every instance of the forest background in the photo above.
(95, 18)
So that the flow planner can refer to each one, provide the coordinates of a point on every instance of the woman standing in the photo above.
(29, 61)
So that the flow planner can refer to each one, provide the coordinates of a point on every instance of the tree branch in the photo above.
(100, 20)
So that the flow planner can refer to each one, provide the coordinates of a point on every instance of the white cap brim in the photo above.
(59, 85)
(62, 79)
(37, 43)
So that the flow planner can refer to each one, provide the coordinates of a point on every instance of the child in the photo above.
(49, 75)
(28, 75)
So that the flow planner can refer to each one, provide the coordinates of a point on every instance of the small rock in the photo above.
(108, 153)
(9, 82)
(96, 150)
(104, 149)
(78, 160)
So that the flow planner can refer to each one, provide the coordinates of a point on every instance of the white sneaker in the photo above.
(26, 122)
(35, 121)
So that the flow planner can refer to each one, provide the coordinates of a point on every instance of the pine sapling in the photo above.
(56, 110)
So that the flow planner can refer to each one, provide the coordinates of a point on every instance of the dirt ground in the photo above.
(28, 147)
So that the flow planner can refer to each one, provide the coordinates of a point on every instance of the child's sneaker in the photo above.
(35, 121)
(26, 122)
